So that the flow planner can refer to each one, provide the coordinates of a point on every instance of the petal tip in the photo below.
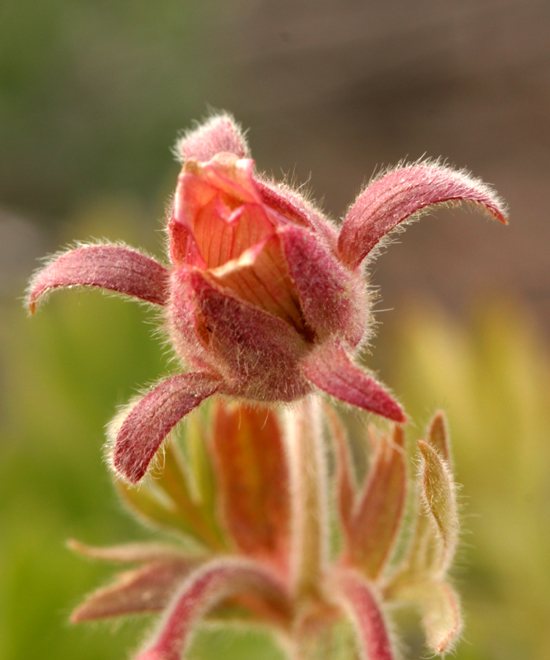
(128, 470)
(137, 432)
(219, 133)
(501, 216)
(398, 414)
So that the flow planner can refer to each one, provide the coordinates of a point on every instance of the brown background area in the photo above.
(331, 91)
(343, 88)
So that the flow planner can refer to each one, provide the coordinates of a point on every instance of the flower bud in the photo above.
(250, 281)
(264, 300)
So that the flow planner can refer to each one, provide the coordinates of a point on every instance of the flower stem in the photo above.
(309, 491)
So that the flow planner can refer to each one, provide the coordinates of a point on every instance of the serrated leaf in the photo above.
(433, 541)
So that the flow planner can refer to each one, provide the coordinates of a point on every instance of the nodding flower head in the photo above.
(265, 300)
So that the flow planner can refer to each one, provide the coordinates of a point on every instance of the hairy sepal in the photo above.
(147, 422)
(256, 353)
(112, 267)
(333, 300)
(441, 617)
(439, 607)
(400, 195)
(438, 436)
(331, 370)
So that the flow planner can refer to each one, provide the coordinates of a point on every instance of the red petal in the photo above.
(332, 371)
(111, 267)
(219, 133)
(204, 589)
(261, 278)
(401, 193)
(208, 226)
(359, 599)
(150, 420)
(183, 248)
(221, 239)
(224, 175)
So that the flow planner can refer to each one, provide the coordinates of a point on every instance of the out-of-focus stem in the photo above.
(309, 492)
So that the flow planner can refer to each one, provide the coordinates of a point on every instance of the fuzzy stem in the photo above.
(309, 490)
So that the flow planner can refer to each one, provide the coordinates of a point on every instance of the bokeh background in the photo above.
(92, 96)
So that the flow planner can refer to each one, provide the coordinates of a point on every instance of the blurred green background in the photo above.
(92, 95)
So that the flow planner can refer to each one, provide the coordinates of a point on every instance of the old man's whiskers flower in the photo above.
(262, 525)
(265, 300)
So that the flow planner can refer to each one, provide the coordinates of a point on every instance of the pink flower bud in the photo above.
(255, 287)
(264, 299)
